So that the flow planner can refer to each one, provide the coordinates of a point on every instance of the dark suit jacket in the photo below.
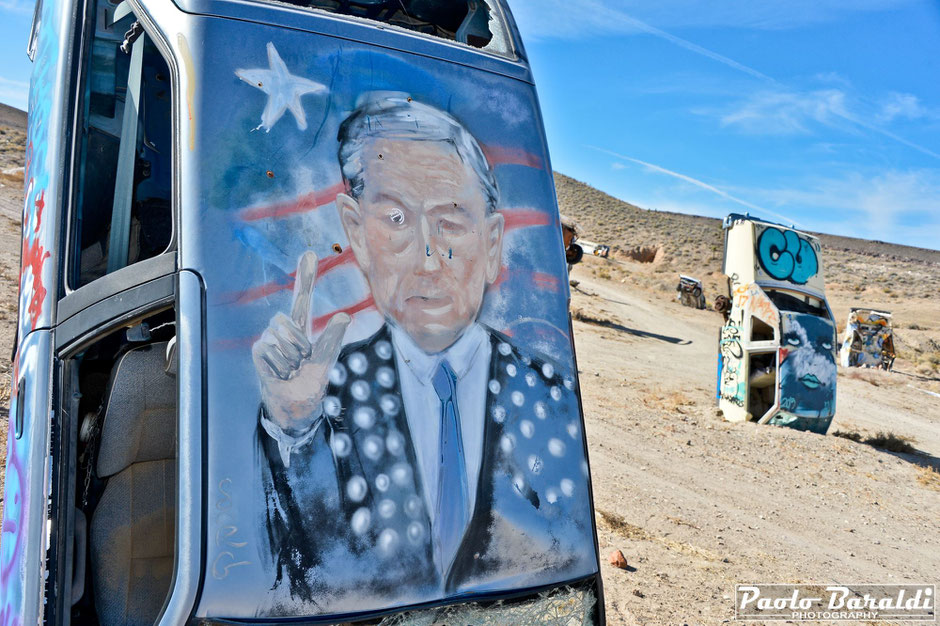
(351, 499)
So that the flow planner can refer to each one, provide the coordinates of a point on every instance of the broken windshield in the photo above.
(476, 23)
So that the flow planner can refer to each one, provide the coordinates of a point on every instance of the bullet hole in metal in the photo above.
(270, 174)
(261, 84)
(409, 98)
(337, 248)
(380, 156)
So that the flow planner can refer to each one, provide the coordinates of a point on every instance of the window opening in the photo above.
(471, 22)
(123, 205)
(761, 330)
(762, 379)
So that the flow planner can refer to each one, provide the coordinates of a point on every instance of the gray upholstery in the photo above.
(140, 417)
(133, 526)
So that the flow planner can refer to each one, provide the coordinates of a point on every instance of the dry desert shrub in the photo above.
(929, 477)
(882, 440)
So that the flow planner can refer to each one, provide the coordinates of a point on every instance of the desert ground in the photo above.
(695, 503)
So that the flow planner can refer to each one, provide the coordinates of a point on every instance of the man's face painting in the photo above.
(808, 369)
(421, 233)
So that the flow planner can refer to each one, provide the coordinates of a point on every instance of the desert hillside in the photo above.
(654, 247)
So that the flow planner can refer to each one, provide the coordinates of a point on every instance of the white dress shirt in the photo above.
(469, 357)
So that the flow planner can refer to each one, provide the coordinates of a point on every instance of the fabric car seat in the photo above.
(133, 527)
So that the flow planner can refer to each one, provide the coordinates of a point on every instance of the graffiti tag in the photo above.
(784, 255)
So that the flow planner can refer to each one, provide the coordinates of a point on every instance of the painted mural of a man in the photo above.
(447, 457)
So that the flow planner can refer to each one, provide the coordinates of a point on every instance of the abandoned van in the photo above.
(777, 349)
(293, 339)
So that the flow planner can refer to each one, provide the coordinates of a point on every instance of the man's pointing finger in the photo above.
(304, 280)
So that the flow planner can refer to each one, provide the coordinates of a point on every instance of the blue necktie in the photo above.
(452, 515)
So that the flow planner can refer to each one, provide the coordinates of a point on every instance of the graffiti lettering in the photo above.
(226, 535)
(784, 255)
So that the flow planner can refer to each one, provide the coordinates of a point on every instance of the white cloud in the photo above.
(14, 92)
(893, 205)
(785, 112)
(900, 105)
(697, 183)
(18, 6)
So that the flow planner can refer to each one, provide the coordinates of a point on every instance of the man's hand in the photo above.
(293, 370)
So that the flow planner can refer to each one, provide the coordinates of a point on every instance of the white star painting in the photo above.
(283, 88)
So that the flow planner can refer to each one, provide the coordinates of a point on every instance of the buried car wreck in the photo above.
(294, 342)
(777, 349)
(868, 340)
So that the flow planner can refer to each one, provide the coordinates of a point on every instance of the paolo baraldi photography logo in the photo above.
(810, 602)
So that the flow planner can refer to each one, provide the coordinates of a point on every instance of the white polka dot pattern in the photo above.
(415, 532)
(385, 377)
(395, 442)
(331, 406)
(548, 370)
(356, 488)
(556, 447)
(358, 363)
(390, 404)
(360, 390)
(388, 542)
(401, 474)
(540, 411)
(383, 349)
(387, 508)
(567, 487)
(338, 374)
(517, 398)
(499, 414)
(504, 348)
(494, 386)
(413, 506)
(372, 447)
(361, 520)
(527, 428)
(530, 379)
(382, 482)
(511, 369)
(364, 417)
(341, 444)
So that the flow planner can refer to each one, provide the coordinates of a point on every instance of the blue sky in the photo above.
(820, 113)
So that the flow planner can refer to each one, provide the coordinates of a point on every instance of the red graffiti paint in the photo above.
(34, 256)
(784, 352)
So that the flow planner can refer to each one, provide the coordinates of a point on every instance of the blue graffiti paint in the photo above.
(784, 255)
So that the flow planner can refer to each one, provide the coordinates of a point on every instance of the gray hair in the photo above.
(386, 116)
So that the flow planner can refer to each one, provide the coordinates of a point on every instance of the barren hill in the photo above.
(653, 247)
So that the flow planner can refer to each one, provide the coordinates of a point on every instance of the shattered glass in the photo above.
(558, 607)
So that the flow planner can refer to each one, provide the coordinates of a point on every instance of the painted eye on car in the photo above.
(396, 216)
(827, 345)
(793, 341)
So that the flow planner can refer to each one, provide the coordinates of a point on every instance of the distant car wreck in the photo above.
(868, 340)
(689, 292)
(777, 348)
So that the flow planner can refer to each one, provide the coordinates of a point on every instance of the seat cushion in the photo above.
(140, 420)
(132, 543)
